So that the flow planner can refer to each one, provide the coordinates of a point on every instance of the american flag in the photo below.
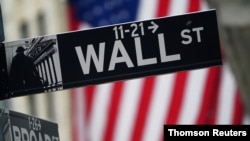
(137, 109)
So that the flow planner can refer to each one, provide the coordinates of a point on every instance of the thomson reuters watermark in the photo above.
(206, 130)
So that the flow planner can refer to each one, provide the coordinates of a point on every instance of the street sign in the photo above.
(15, 126)
(112, 53)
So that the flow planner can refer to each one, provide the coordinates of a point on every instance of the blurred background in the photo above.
(136, 109)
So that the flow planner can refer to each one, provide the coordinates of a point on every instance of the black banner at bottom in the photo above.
(206, 131)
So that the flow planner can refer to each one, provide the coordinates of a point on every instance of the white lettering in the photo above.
(118, 46)
(46, 137)
(85, 64)
(163, 54)
(174, 132)
(40, 137)
(170, 132)
(17, 134)
(198, 34)
(186, 36)
(140, 60)
(55, 138)
(33, 136)
(25, 134)
(217, 132)
(119, 54)
(22, 134)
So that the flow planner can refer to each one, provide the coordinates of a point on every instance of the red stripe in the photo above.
(177, 97)
(209, 103)
(238, 110)
(194, 5)
(73, 22)
(89, 98)
(74, 116)
(163, 6)
(143, 108)
(113, 110)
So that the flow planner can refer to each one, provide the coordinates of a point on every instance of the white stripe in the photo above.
(226, 97)
(84, 26)
(99, 111)
(193, 96)
(127, 112)
(147, 9)
(204, 5)
(79, 115)
(178, 7)
(159, 107)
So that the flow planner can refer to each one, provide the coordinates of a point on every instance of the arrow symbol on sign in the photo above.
(154, 26)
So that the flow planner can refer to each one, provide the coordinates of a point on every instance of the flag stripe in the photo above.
(177, 97)
(127, 110)
(209, 101)
(101, 100)
(73, 22)
(227, 92)
(160, 102)
(238, 110)
(113, 110)
(89, 96)
(147, 9)
(145, 99)
(163, 6)
(177, 7)
(77, 110)
(193, 96)
(194, 5)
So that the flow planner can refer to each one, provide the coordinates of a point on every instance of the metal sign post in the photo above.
(112, 53)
